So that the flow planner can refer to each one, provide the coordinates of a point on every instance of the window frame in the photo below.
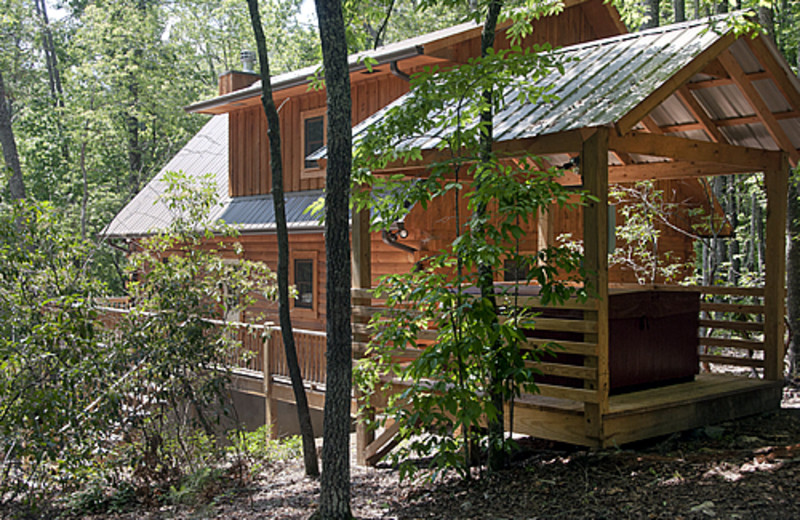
(317, 171)
(311, 256)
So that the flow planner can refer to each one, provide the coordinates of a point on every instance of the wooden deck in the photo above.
(644, 414)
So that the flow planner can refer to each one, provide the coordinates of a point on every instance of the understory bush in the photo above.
(132, 410)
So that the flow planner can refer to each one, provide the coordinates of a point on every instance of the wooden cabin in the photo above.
(672, 103)
(233, 148)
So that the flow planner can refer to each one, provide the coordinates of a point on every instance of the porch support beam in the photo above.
(362, 279)
(699, 114)
(671, 170)
(776, 183)
(594, 169)
(679, 148)
(569, 141)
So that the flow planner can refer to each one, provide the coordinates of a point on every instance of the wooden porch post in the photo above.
(270, 408)
(776, 183)
(362, 279)
(594, 170)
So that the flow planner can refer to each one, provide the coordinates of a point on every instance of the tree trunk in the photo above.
(734, 263)
(16, 187)
(793, 274)
(53, 74)
(497, 455)
(334, 500)
(793, 268)
(680, 10)
(276, 166)
(651, 11)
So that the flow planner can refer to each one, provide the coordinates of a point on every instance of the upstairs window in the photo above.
(314, 128)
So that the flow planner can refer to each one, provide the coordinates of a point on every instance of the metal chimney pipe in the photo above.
(248, 61)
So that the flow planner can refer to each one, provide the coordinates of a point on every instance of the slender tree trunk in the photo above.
(651, 10)
(734, 263)
(276, 165)
(793, 274)
(16, 187)
(793, 266)
(497, 455)
(51, 60)
(334, 500)
(680, 10)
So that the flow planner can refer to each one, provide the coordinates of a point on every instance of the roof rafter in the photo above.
(757, 102)
(699, 114)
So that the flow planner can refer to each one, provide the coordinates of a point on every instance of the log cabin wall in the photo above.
(249, 160)
(264, 247)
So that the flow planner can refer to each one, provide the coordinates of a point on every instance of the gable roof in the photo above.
(619, 81)
(207, 154)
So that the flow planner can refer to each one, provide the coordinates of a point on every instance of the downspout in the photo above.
(397, 72)
(390, 239)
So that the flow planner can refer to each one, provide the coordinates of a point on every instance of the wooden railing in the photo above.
(732, 327)
(254, 340)
(311, 348)
(575, 379)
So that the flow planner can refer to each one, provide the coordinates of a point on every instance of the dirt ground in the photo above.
(737, 470)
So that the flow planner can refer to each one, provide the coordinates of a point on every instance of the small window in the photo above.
(314, 129)
(512, 271)
(313, 125)
(304, 283)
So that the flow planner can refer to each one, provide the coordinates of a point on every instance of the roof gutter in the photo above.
(301, 78)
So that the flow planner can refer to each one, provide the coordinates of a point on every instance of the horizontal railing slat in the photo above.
(567, 347)
(738, 308)
(562, 370)
(752, 326)
(734, 343)
(573, 394)
(730, 360)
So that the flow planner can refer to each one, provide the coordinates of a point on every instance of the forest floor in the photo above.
(736, 470)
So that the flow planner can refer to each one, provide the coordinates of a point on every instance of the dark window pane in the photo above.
(513, 272)
(304, 282)
(314, 138)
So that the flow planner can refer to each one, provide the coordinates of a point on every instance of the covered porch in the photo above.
(673, 124)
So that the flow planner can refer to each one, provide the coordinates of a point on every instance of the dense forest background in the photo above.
(92, 95)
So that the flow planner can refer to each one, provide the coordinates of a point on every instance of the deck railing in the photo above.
(311, 348)
(254, 340)
(575, 380)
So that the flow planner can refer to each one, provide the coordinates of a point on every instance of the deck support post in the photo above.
(270, 405)
(594, 170)
(362, 279)
(776, 183)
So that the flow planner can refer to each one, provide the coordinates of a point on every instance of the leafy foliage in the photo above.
(56, 369)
